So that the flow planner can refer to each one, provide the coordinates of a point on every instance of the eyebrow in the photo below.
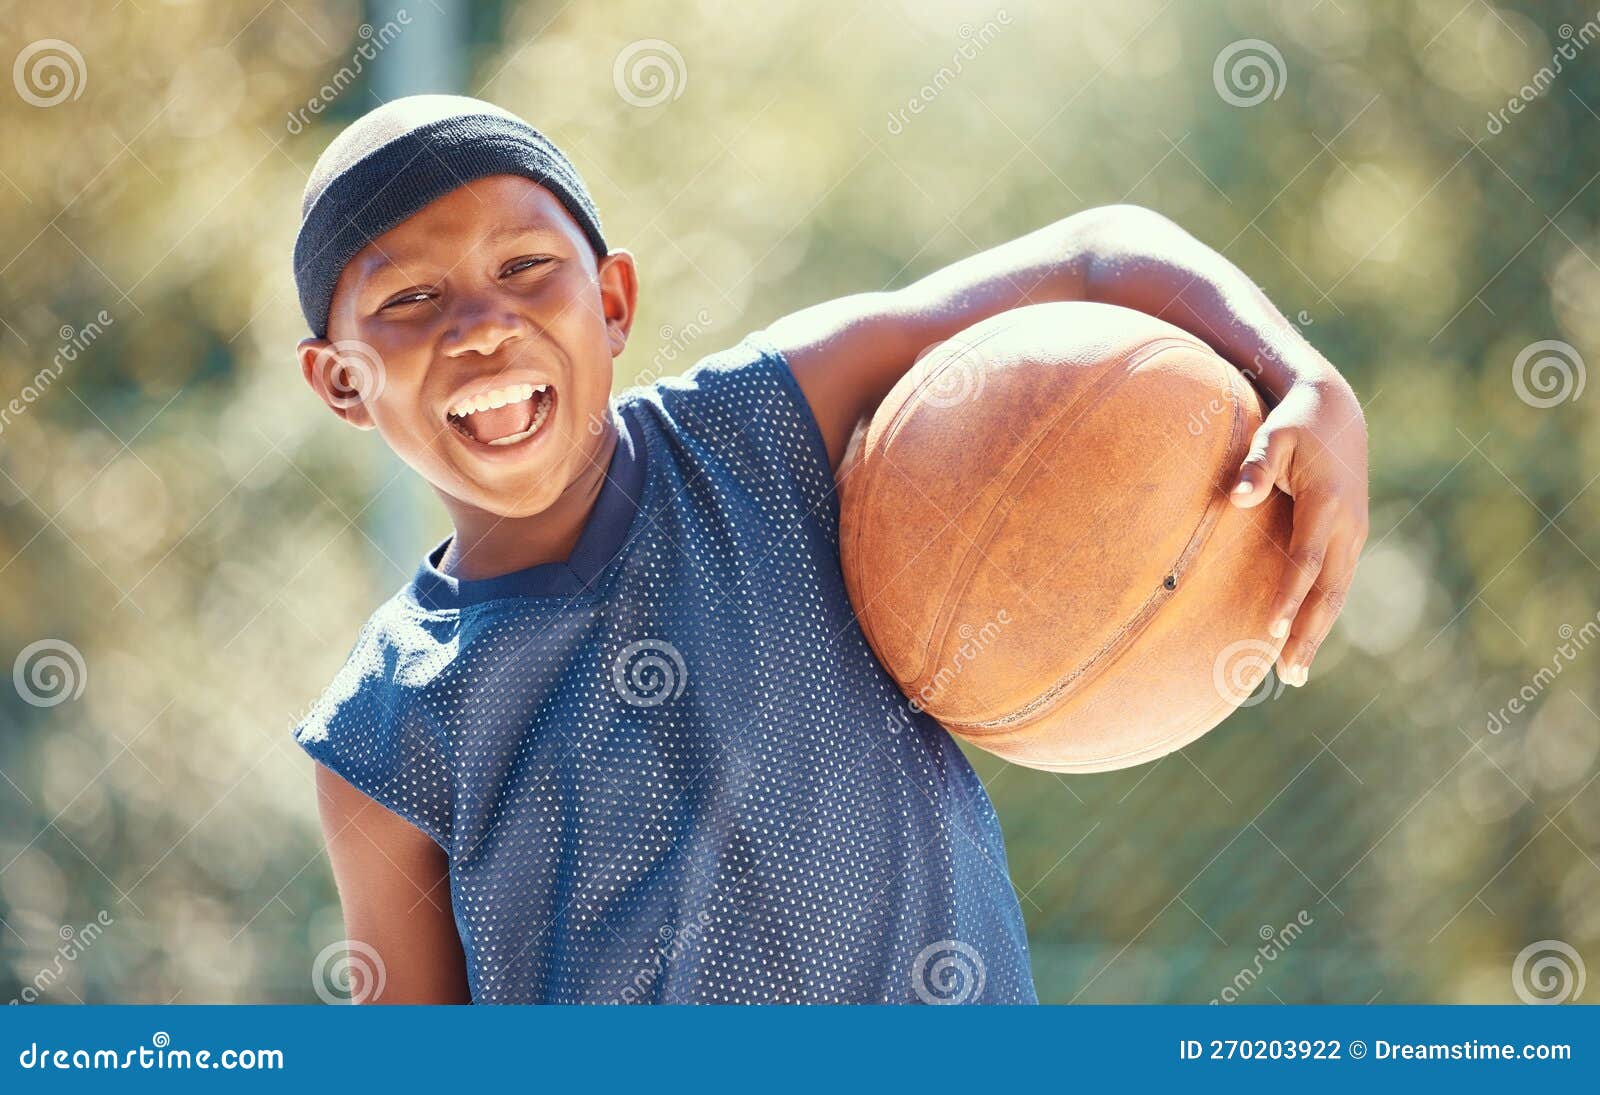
(381, 262)
(509, 231)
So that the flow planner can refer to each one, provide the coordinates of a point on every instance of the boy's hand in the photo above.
(1313, 447)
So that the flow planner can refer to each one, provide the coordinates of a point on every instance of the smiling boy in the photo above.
(620, 738)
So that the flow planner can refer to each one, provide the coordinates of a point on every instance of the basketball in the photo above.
(1038, 544)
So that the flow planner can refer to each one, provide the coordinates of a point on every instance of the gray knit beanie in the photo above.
(392, 161)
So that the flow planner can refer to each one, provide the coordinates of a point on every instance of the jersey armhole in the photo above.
(320, 752)
(814, 443)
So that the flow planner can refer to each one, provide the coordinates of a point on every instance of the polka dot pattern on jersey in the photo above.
(670, 770)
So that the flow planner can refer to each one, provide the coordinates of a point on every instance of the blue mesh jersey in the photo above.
(670, 769)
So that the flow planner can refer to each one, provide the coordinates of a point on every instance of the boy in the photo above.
(620, 738)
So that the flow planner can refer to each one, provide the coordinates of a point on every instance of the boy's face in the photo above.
(493, 330)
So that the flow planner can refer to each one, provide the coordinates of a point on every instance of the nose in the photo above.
(482, 328)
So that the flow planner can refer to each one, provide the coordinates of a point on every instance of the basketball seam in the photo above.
(1191, 732)
(987, 528)
(1122, 639)
(868, 492)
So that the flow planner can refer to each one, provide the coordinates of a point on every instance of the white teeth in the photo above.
(499, 397)
(538, 420)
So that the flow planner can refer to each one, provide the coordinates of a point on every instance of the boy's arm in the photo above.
(847, 354)
(394, 889)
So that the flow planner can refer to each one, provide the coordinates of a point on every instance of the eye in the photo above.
(410, 296)
(522, 265)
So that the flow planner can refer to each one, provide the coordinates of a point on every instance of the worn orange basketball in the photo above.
(1038, 543)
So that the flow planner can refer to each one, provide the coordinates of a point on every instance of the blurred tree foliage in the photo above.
(176, 506)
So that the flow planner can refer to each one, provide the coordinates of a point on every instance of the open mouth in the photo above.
(503, 416)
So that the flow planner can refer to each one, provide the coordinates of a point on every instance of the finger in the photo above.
(1264, 465)
(1317, 615)
(1314, 523)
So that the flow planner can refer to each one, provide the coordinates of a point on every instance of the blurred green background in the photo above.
(177, 508)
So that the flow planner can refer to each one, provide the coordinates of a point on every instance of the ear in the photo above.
(619, 296)
(342, 377)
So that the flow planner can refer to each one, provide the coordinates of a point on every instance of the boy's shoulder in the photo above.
(746, 407)
(382, 657)
(365, 728)
(724, 374)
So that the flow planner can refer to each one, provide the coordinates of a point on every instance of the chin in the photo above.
(513, 508)
(508, 500)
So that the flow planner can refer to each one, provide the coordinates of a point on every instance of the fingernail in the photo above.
(1243, 487)
(1279, 628)
(1302, 674)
